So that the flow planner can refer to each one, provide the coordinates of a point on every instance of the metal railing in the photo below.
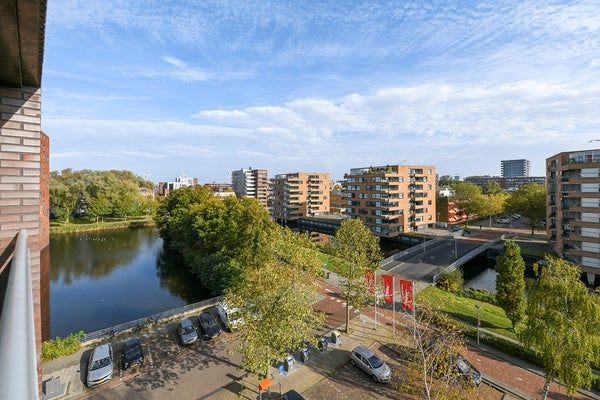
(155, 319)
(18, 358)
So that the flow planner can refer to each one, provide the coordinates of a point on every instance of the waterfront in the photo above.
(99, 279)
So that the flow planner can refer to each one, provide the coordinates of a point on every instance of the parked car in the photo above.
(100, 365)
(228, 316)
(209, 327)
(503, 221)
(292, 395)
(133, 355)
(465, 369)
(371, 364)
(516, 216)
(186, 331)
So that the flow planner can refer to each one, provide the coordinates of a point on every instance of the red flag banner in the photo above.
(388, 288)
(370, 279)
(406, 291)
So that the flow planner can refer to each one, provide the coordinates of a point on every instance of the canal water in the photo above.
(100, 279)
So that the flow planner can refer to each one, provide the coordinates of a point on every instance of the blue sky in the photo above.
(158, 86)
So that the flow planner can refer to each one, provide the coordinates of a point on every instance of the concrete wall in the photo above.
(21, 190)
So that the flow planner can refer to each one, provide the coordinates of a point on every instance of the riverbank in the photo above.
(77, 226)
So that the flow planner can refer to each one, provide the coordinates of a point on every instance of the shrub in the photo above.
(60, 347)
(479, 295)
(451, 281)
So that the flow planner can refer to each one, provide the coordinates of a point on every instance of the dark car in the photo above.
(292, 395)
(209, 327)
(133, 355)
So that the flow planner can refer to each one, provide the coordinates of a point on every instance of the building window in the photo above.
(400, 195)
(429, 187)
(428, 202)
(429, 171)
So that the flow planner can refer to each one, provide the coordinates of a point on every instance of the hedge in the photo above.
(60, 347)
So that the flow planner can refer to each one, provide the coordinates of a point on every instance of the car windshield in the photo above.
(187, 329)
(463, 366)
(100, 364)
(133, 351)
(375, 362)
(206, 319)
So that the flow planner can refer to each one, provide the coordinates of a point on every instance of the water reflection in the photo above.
(105, 278)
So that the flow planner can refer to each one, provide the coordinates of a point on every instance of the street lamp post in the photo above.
(478, 306)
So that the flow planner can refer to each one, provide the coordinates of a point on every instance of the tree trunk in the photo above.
(347, 316)
(532, 228)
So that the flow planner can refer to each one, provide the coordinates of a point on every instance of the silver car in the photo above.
(187, 332)
(371, 364)
(100, 365)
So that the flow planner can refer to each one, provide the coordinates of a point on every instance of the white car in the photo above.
(100, 365)
(503, 221)
(229, 316)
(369, 362)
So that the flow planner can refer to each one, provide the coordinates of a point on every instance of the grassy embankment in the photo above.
(464, 309)
(85, 225)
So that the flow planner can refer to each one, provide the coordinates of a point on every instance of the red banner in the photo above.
(370, 280)
(388, 288)
(406, 291)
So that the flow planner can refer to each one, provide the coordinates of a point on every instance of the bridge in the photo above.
(428, 260)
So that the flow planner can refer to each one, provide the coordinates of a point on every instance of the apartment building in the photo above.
(573, 212)
(299, 194)
(392, 199)
(221, 189)
(182, 181)
(515, 168)
(249, 182)
(508, 184)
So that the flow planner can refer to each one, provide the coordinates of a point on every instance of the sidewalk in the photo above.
(320, 365)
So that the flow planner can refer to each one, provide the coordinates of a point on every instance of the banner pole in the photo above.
(394, 302)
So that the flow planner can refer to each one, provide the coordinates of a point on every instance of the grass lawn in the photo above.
(492, 317)
(84, 225)
(330, 262)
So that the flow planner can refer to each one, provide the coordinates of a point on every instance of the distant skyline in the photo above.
(211, 86)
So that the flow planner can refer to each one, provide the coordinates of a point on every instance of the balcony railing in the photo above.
(18, 375)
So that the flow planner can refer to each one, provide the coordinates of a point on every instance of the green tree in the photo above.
(563, 325)
(493, 204)
(529, 201)
(492, 187)
(510, 282)
(276, 302)
(359, 248)
(468, 198)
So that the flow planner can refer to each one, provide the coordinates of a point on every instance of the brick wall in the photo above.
(20, 166)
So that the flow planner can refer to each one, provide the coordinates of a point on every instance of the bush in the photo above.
(60, 347)
(451, 281)
(479, 295)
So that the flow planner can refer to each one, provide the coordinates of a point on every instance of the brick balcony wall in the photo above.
(20, 188)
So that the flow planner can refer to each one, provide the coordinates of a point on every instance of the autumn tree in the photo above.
(563, 325)
(359, 249)
(468, 198)
(432, 347)
(491, 188)
(275, 300)
(529, 201)
(510, 282)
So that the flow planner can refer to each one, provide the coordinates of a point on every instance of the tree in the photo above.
(492, 187)
(493, 204)
(468, 198)
(563, 325)
(510, 282)
(434, 343)
(446, 180)
(276, 302)
(359, 248)
(530, 201)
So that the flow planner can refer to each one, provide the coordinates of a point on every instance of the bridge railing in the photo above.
(413, 250)
(467, 257)
(160, 318)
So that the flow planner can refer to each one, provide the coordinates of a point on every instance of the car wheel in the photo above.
(352, 361)
(375, 379)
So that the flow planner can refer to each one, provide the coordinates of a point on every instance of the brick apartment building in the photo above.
(252, 183)
(573, 211)
(299, 194)
(392, 199)
(24, 175)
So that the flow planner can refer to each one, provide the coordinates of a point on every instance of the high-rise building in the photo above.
(251, 183)
(392, 199)
(573, 211)
(515, 168)
(299, 194)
